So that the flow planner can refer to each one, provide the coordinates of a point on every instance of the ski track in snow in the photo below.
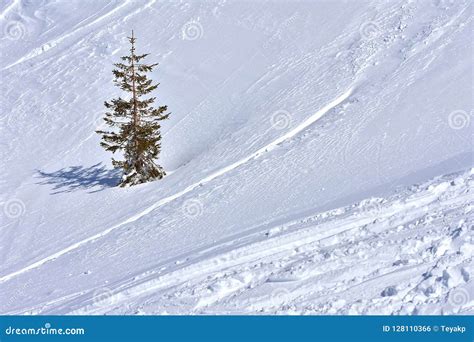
(288, 245)
(407, 252)
(55, 42)
(226, 275)
(8, 8)
(294, 253)
(268, 148)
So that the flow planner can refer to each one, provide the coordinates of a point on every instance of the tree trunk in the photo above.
(135, 110)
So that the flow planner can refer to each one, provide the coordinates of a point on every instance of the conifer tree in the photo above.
(135, 123)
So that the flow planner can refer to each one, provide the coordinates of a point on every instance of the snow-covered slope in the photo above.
(319, 159)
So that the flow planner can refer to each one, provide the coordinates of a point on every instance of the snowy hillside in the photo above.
(319, 158)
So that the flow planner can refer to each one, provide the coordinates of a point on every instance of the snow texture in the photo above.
(319, 159)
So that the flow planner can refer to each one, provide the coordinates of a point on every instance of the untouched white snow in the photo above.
(319, 158)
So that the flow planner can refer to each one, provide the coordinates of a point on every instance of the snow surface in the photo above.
(319, 159)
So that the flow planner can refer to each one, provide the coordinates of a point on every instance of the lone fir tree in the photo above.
(135, 121)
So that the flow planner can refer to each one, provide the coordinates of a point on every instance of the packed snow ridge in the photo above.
(319, 159)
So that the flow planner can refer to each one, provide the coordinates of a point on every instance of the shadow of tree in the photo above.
(96, 177)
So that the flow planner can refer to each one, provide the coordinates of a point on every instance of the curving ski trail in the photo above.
(267, 148)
